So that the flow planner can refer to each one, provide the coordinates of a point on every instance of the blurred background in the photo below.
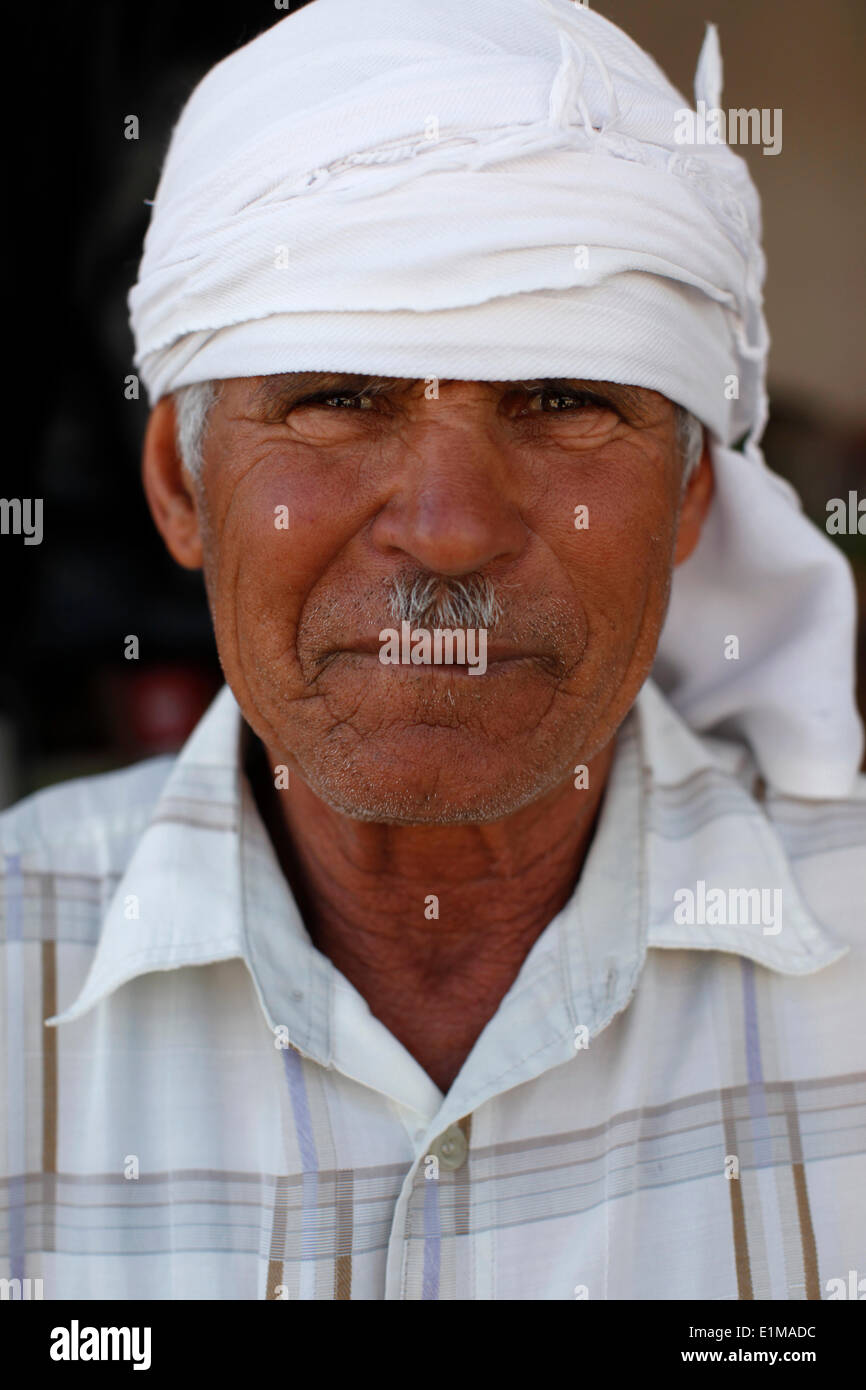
(70, 703)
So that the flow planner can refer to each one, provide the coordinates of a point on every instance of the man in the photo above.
(499, 931)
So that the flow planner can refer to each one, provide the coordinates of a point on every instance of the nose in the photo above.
(454, 508)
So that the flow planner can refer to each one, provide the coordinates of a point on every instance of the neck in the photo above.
(431, 924)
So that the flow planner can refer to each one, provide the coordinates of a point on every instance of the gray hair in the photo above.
(690, 441)
(193, 405)
(427, 600)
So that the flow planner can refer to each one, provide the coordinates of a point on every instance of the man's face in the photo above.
(483, 480)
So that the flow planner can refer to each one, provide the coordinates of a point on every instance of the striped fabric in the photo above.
(198, 1104)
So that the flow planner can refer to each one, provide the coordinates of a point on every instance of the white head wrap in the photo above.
(495, 191)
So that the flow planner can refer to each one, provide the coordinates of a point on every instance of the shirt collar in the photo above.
(177, 900)
(204, 873)
(713, 848)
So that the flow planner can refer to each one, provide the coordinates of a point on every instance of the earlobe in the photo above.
(168, 489)
(696, 504)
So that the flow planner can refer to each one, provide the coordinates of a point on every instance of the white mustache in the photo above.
(431, 601)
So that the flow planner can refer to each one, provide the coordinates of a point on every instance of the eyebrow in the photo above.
(287, 388)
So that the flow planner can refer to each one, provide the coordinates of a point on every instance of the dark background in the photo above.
(70, 703)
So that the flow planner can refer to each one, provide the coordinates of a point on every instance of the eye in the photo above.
(332, 417)
(556, 401)
(338, 401)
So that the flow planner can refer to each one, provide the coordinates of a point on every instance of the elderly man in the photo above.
(498, 933)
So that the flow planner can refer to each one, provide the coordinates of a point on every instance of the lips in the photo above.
(496, 651)
(366, 656)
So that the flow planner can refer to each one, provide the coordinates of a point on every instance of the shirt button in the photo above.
(450, 1148)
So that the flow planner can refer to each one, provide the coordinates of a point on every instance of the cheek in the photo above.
(280, 531)
(613, 534)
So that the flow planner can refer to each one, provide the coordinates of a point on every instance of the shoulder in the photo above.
(65, 849)
(78, 820)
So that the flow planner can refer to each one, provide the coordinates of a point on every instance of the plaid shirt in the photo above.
(199, 1105)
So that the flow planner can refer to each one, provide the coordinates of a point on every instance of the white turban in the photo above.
(495, 191)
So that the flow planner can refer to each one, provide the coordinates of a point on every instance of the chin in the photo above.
(447, 797)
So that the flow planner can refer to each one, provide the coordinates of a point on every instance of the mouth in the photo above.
(500, 658)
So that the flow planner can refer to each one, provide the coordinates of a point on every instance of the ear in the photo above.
(695, 505)
(168, 488)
